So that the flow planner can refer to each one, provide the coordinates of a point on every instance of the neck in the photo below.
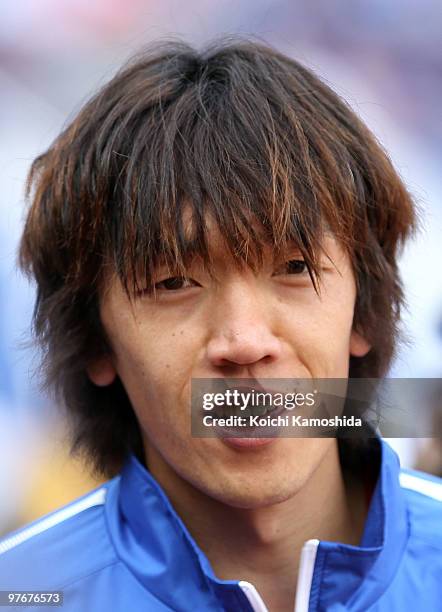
(262, 545)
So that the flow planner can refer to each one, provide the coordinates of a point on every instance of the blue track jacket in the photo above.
(122, 548)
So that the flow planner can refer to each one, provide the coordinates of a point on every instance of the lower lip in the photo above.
(247, 443)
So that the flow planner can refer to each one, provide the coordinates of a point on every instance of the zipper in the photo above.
(305, 576)
(255, 599)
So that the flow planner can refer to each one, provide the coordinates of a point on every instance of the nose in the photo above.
(242, 331)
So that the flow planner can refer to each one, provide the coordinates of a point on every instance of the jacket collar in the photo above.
(155, 545)
(357, 576)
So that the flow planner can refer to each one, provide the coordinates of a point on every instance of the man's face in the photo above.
(236, 324)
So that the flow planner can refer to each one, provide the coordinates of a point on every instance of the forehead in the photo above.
(223, 257)
(194, 238)
(214, 234)
(220, 247)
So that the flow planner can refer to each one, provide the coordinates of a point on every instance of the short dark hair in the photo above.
(237, 131)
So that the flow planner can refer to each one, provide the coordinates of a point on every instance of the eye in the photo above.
(174, 283)
(292, 266)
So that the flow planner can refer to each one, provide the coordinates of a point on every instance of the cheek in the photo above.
(167, 348)
(319, 330)
(326, 322)
(155, 365)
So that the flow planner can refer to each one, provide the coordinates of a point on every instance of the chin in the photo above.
(251, 496)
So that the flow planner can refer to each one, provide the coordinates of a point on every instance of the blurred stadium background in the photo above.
(384, 57)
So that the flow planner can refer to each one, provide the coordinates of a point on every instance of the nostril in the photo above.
(243, 350)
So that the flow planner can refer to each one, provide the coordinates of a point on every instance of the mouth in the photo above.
(248, 401)
(248, 418)
(250, 413)
(244, 444)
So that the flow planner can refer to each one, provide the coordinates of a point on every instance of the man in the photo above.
(220, 215)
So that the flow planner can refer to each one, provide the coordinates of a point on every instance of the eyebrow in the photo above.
(194, 255)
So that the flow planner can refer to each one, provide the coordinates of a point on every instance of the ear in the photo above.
(359, 346)
(102, 372)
